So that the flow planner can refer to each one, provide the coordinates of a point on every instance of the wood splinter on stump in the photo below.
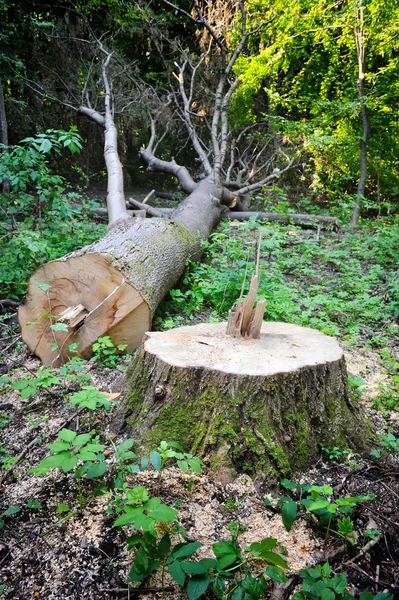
(245, 321)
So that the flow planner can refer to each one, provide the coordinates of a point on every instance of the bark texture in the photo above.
(118, 280)
(223, 400)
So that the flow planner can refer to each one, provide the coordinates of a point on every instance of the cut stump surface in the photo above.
(260, 406)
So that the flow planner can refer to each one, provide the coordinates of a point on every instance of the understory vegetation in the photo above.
(286, 107)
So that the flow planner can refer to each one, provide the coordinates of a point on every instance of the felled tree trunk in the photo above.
(113, 286)
(260, 406)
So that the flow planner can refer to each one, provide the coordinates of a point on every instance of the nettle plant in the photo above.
(318, 501)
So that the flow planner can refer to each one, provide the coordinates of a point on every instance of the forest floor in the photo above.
(52, 546)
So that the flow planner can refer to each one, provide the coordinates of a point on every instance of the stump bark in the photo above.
(258, 406)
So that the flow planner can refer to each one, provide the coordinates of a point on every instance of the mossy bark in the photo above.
(264, 425)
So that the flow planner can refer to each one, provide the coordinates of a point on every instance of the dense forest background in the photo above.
(321, 77)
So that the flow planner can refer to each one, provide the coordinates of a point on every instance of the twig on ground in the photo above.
(362, 552)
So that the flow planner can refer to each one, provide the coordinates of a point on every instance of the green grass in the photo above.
(346, 284)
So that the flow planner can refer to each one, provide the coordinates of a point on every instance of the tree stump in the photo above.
(259, 406)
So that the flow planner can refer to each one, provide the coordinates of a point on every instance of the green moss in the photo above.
(268, 427)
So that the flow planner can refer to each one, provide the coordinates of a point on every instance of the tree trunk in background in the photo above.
(114, 286)
(3, 132)
(361, 56)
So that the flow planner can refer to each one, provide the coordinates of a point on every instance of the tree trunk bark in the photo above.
(361, 187)
(3, 132)
(360, 37)
(115, 284)
(260, 406)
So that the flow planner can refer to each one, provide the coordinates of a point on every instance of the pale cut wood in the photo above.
(260, 406)
(113, 307)
(73, 315)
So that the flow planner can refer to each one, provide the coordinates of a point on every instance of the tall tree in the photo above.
(324, 90)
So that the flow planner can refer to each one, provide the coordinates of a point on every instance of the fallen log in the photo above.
(119, 280)
(297, 219)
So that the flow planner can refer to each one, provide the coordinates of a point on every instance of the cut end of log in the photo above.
(77, 300)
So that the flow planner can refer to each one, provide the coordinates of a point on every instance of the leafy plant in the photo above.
(89, 397)
(318, 501)
(318, 583)
(27, 386)
(171, 451)
(337, 454)
(69, 450)
(108, 355)
(388, 444)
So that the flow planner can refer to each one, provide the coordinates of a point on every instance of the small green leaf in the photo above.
(32, 503)
(275, 559)
(197, 586)
(81, 439)
(61, 508)
(67, 435)
(43, 286)
(288, 514)
(198, 568)
(59, 327)
(177, 572)
(276, 574)
(69, 463)
(58, 446)
(96, 470)
(327, 594)
(186, 550)
(164, 513)
(156, 460)
(13, 510)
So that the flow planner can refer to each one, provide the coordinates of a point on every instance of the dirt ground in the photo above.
(83, 556)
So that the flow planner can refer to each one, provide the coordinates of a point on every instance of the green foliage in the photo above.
(89, 397)
(389, 444)
(27, 386)
(169, 452)
(318, 500)
(338, 454)
(107, 355)
(343, 284)
(42, 223)
(318, 583)
(69, 450)
(12, 510)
